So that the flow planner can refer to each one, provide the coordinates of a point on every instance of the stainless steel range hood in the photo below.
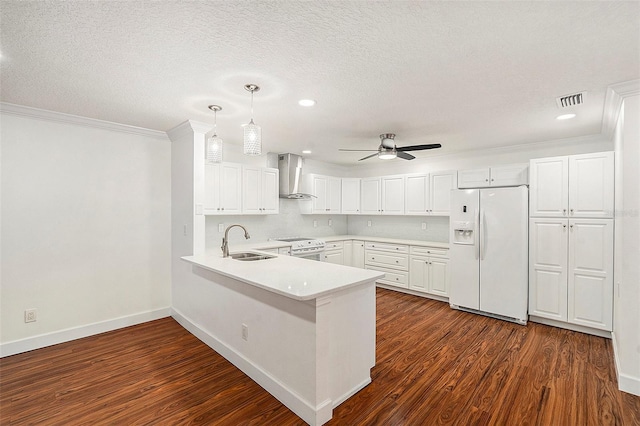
(290, 167)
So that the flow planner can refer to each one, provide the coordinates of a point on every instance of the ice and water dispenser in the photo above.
(463, 230)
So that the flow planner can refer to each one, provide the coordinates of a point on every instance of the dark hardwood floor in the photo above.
(434, 366)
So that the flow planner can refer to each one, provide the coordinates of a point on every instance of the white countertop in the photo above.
(265, 245)
(296, 278)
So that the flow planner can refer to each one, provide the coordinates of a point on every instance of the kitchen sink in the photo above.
(250, 256)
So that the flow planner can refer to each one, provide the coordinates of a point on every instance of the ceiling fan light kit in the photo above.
(388, 149)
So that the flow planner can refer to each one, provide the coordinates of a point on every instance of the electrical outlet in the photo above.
(315, 223)
(424, 225)
(368, 223)
(330, 222)
(245, 332)
(184, 230)
(221, 227)
(30, 315)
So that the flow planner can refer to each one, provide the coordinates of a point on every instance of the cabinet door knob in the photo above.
(223, 208)
(564, 211)
(486, 180)
(571, 226)
(571, 211)
(492, 179)
(397, 261)
(564, 226)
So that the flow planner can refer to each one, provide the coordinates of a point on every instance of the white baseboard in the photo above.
(69, 334)
(569, 326)
(626, 383)
(312, 415)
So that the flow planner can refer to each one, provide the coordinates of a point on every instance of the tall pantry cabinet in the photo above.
(571, 239)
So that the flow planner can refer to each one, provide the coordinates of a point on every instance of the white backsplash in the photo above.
(290, 222)
(402, 227)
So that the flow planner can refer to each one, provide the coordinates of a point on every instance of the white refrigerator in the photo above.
(489, 251)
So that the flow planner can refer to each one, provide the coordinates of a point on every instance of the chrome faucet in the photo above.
(225, 240)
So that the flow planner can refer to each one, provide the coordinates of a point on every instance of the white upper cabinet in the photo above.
(327, 191)
(476, 178)
(259, 190)
(509, 175)
(350, 203)
(417, 201)
(440, 192)
(383, 195)
(591, 185)
(370, 196)
(429, 194)
(392, 197)
(223, 189)
(549, 190)
(573, 186)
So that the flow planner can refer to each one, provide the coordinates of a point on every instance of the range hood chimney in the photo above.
(290, 167)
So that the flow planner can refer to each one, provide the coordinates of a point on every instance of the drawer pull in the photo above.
(397, 261)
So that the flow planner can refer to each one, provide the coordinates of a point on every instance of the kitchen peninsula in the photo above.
(305, 331)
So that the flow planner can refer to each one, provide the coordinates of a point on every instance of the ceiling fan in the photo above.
(388, 149)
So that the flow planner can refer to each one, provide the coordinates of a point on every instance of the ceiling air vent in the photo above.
(574, 99)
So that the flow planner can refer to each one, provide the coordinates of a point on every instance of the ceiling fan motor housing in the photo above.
(387, 140)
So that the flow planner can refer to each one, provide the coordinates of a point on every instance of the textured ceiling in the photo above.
(464, 74)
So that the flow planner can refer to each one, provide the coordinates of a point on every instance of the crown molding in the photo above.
(59, 117)
(616, 93)
(188, 128)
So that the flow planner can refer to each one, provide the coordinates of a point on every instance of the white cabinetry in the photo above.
(334, 252)
(429, 194)
(350, 196)
(573, 186)
(259, 190)
(327, 190)
(429, 270)
(223, 189)
(571, 271)
(392, 259)
(357, 254)
(509, 175)
(571, 240)
(383, 195)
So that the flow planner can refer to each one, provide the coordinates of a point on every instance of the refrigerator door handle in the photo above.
(482, 232)
(476, 241)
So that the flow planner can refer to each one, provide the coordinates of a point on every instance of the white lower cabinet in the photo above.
(392, 259)
(357, 254)
(571, 271)
(429, 270)
(334, 252)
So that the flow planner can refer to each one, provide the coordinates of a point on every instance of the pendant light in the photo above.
(214, 143)
(252, 132)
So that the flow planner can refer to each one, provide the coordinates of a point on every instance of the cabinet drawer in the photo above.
(335, 245)
(397, 248)
(389, 260)
(429, 251)
(391, 277)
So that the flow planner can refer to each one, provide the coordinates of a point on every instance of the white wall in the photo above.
(627, 246)
(85, 226)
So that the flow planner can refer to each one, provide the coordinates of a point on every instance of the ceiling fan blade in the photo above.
(368, 156)
(419, 147)
(404, 155)
(357, 150)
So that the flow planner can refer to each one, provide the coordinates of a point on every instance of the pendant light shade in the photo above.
(252, 132)
(214, 143)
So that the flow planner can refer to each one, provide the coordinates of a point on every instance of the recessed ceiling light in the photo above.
(306, 151)
(565, 116)
(306, 102)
